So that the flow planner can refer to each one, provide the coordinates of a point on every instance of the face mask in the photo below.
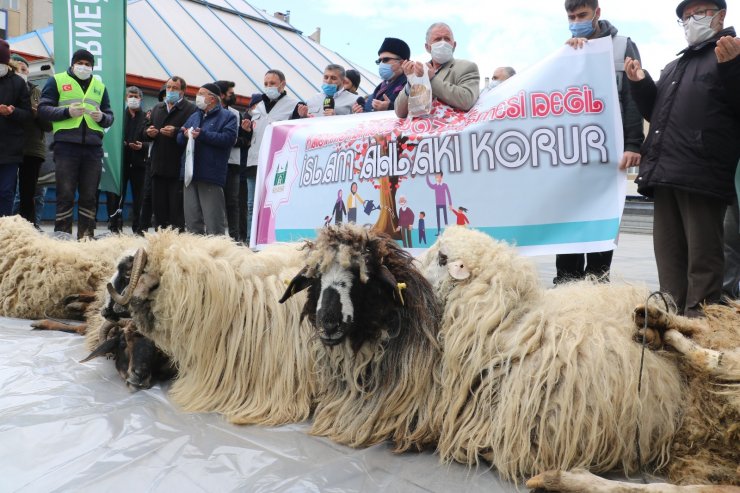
(442, 52)
(272, 93)
(23, 76)
(134, 103)
(172, 97)
(494, 83)
(385, 71)
(3, 70)
(200, 102)
(329, 89)
(699, 31)
(82, 72)
(582, 29)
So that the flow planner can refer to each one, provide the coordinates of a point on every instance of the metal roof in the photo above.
(203, 41)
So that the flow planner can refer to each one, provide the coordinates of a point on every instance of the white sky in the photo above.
(493, 33)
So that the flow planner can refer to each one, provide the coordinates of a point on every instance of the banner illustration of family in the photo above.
(534, 163)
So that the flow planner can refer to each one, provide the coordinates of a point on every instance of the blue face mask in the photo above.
(172, 97)
(329, 89)
(385, 71)
(582, 29)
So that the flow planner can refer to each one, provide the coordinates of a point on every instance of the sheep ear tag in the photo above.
(458, 270)
(296, 285)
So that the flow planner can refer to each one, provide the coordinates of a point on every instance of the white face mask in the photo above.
(200, 102)
(494, 83)
(272, 92)
(3, 70)
(23, 76)
(699, 31)
(82, 72)
(134, 103)
(442, 52)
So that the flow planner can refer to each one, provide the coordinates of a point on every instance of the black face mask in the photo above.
(231, 100)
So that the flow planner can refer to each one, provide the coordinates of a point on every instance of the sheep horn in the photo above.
(105, 329)
(136, 270)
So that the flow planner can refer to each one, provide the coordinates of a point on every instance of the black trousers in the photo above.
(575, 266)
(145, 218)
(28, 176)
(78, 169)
(688, 237)
(167, 202)
(134, 175)
(231, 196)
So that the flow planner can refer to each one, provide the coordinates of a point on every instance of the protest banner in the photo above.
(100, 28)
(533, 163)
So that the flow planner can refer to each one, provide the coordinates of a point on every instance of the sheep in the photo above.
(212, 307)
(138, 361)
(38, 273)
(705, 449)
(537, 380)
(377, 319)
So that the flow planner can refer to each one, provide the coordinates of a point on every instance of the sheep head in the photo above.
(133, 267)
(138, 361)
(356, 281)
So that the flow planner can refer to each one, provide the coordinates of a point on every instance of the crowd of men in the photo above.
(687, 163)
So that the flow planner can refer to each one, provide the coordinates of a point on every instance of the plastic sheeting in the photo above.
(66, 426)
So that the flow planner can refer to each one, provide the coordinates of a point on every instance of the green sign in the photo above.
(98, 26)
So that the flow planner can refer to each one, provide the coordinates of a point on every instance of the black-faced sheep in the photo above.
(377, 318)
(138, 361)
(37, 272)
(535, 379)
(212, 306)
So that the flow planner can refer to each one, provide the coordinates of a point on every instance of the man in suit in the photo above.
(455, 82)
(167, 119)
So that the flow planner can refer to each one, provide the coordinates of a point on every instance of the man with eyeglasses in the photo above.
(455, 82)
(585, 23)
(689, 158)
(391, 55)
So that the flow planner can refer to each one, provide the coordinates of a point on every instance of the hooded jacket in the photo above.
(694, 114)
(631, 117)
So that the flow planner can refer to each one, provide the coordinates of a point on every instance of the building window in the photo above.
(9, 4)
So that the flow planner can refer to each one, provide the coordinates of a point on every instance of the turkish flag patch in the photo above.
(67, 87)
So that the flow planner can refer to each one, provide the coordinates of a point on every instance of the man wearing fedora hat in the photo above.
(78, 107)
(692, 149)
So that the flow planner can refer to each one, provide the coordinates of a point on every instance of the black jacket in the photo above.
(631, 117)
(133, 131)
(166, 153)
(13, 91)
(694, 113)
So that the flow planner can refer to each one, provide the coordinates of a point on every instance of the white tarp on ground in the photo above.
(66, 426)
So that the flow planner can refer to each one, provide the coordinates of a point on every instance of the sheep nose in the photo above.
(331, 327)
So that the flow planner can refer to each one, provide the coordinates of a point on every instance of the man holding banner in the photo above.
(78, 107)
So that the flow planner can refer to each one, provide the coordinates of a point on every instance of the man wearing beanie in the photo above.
(15, 110)
(691, 152)
(391, 55)
(214, 129)
(78, 107)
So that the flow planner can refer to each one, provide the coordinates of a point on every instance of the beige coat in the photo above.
(457, 84)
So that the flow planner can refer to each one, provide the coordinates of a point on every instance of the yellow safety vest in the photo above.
(70, 92)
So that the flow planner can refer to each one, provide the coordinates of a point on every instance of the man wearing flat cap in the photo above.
(77, 105)
(391, 55)
(692, 149)
(214, 129)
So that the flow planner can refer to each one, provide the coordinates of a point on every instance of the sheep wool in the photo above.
(534, 380)
(37, 272)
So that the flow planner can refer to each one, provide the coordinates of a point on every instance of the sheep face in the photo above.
(138, 361)
(352, 294)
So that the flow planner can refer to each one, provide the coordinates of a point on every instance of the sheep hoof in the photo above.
(653, 338)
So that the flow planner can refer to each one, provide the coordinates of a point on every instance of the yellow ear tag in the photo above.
(399, 289)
